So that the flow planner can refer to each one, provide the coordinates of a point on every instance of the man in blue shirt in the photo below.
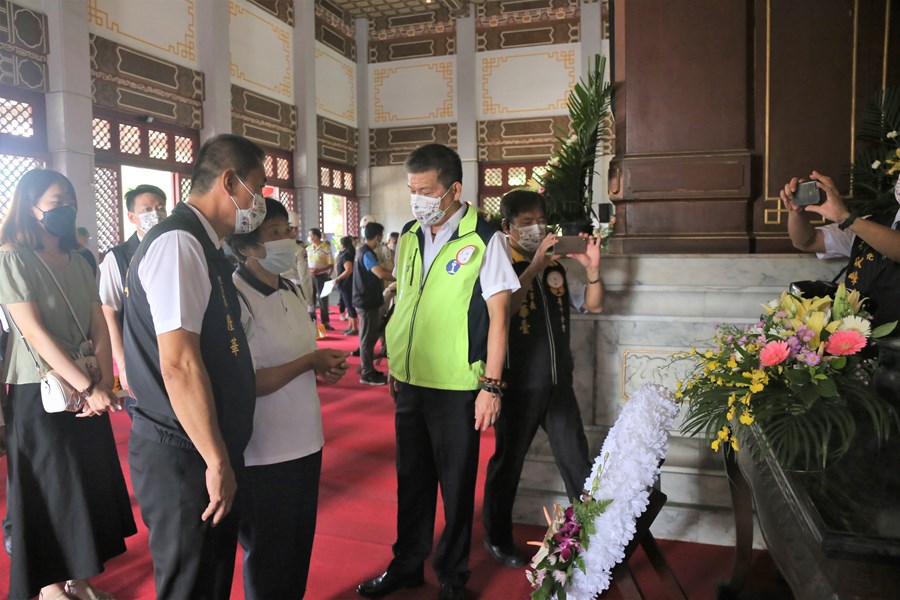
(368, 298)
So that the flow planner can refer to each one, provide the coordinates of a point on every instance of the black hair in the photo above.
(316, 232)
(144, 188)
(239, 241)
(82, 231)
(516, 202)
(373, 230)
(224, 151)
(436, 157)
(395, 235)
(347, 242)
(20, 227)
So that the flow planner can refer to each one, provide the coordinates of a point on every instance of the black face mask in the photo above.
(60, 221)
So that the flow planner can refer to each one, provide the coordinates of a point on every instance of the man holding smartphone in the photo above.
(872, 244)
(539, 366)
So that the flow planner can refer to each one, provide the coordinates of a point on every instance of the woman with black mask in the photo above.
(69, 504)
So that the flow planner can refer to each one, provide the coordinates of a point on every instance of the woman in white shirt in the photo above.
(284, 456)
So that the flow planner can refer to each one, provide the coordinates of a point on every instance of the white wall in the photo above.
(389, 201)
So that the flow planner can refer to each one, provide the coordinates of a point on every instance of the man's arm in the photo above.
(115, 339)
(487, 405)
(382, 273)
(883, 239)
(189, 390)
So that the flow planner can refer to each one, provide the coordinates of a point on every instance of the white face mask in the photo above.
(427, 210)
(530, 236)
(248, 219)
(147, 220)
(281, 256)
(897, 190)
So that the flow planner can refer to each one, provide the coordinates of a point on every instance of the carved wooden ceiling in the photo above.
(395, 8)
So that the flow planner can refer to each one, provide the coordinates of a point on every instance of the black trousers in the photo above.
(278, 523)
(347, 298)
(191, 559)
(436, 445)
(370, 329)
(319, 283)
(556, 410)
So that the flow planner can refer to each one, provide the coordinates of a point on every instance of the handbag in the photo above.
(57, 394)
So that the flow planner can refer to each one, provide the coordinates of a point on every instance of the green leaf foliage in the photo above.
(568, 182)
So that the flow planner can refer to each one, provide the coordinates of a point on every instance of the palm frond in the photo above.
(568, 180)
(872, 187)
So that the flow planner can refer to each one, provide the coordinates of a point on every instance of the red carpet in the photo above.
(357, 512)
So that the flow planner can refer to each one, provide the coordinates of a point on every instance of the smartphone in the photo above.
(808, 194)
(570, 244)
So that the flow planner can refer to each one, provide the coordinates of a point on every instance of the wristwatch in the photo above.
(849, 220)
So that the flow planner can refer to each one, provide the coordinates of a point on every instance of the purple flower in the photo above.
(780, 314)
(813, 358)
(567, 548)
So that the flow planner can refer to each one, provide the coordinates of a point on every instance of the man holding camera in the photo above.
(872, 242)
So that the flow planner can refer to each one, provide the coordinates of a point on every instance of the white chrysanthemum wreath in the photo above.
(629, 460)
(619, 483)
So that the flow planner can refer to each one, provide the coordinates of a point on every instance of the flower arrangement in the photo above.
(568, 535)
(595, 530)
(798, 373)
(567, 179)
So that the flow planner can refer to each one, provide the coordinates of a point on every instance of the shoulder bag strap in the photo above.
(66, 298)
(9, 345)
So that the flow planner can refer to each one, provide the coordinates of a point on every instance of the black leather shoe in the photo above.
(451, 592)
(507, 554)
(389, 582)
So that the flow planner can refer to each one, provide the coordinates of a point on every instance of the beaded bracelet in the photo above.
(494, 386)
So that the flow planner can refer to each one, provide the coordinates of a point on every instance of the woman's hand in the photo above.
(99, 401)
(330, 364)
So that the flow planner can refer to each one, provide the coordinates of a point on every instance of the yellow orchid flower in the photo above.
(730, 414)
(814, 304)
(815, 323)
(734, 444)
(715, 445)
(790, 305)
(746, 418)
(855, 300)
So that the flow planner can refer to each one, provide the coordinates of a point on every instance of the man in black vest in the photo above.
(368, 298)
(539, 367)
(190, 370)
(146, 205)
(870, 242)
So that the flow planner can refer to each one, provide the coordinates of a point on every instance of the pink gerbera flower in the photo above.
(774, 353)
(845, 343)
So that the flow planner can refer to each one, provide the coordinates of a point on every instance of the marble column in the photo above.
(214, 50)
(362, 119)
(466, 114)
(69, 104)
(306, 161)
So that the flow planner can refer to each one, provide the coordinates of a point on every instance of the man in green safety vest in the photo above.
(446, 346)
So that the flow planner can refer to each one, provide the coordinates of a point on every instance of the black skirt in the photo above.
(67, 499)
